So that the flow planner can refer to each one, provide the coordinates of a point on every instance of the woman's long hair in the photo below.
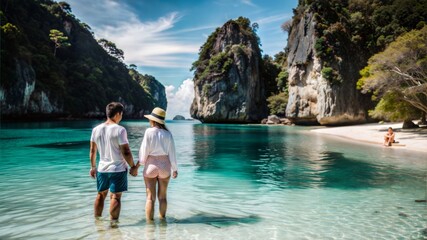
(161, 126)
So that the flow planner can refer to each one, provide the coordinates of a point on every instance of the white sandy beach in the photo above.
(410, 139)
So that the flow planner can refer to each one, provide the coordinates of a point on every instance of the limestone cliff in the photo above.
(322, 90)
(23, 98)
(156, 90)
(40, 81)
(227, 82)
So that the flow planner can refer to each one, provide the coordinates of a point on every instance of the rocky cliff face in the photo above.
(38, 81)
(227, 80)
(22, 97)
(157, 91)
(312, 97)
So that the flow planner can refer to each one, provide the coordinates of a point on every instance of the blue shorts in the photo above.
(115, 181)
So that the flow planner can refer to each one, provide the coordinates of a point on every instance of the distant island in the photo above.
(179, 117)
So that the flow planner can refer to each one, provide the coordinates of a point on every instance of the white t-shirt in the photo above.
(158, 142)
(108, 138)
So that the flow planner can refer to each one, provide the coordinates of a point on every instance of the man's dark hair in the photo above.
(114, 108)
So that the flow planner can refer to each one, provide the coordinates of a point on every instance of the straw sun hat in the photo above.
(157, 115)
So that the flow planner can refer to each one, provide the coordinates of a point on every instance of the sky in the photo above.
(163, 37)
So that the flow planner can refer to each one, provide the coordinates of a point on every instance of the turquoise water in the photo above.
(235, 182)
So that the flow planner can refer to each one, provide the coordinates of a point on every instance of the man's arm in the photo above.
(92, 156)
(127, 155)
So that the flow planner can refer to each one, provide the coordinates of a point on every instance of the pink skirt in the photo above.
(157, 167)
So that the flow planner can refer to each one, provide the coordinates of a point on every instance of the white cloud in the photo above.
(248, 2)
(274, 18)
(145, 43)
(179, 101)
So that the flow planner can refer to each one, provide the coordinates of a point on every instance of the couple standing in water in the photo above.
(157, 154)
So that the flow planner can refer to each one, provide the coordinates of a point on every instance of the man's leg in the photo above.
(119, 184)
(102, 183)
(163, 204)
(99, 203)
(150, 185)
(115, 205)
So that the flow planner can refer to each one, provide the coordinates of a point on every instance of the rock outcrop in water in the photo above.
(227, 83)
(320, 93)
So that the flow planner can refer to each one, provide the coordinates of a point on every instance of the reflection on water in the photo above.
(63, 145)
(256, 182)
(285, 159)
(217, 220)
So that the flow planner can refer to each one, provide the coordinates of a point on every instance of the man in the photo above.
(110, 140)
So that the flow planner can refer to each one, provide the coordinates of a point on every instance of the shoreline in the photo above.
(373, 134)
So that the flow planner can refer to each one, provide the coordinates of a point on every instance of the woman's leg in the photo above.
(163, 204)
(150, 185)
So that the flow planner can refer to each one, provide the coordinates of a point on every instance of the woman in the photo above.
(389, 137)
(157, 154)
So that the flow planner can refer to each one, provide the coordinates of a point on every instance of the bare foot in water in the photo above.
(114, 223)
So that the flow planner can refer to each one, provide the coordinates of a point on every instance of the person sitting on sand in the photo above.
(389, 137)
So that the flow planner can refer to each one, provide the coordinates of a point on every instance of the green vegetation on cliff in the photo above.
(349, 32)
(398, 77)
(70, 66)
(210, 62)
(215, 63)
(367, 26)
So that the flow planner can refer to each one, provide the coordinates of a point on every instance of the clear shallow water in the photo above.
(235, 182)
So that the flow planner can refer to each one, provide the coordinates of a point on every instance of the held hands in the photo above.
(175, 174)
(134, 170)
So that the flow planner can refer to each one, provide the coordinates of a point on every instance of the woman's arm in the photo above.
(172, 158)
(144, 150)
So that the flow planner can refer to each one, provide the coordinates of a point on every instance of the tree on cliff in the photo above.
(399, 76)
(59, 39)
(111, 48)
(65, 7)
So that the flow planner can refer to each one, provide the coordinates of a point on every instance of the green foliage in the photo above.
(281, 58)
(204, 53)
(368, 26)
(59, 39)
(112, 49)
(10, 30)
(392, 107)
(82, 77)
(65, 7)
(327, 73)
(401, 69)
(282, 80)
(277, 103)
(235, 87)
(206, 89)
(320, 46)
(209, 60)
(331, 75)
(269, 70)
(219, 63)
(365, 74)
